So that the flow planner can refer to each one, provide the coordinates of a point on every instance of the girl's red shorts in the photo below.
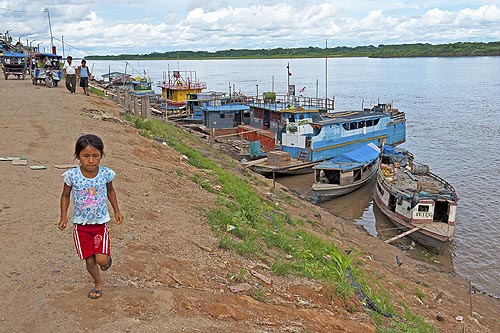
(91, 239)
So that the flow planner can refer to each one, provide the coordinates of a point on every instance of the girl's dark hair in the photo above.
(88, 140)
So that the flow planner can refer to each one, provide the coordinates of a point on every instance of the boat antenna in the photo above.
(326, 70)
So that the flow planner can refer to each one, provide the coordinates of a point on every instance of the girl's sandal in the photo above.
(95, 293)
(107, 266)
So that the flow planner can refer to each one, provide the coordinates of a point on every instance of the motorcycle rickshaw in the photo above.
(15, 64)
(46, 67)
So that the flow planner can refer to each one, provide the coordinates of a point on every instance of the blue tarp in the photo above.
(50, 55)
(14, 55)
(353, 159)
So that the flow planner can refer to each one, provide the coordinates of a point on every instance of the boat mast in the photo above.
(326, 73)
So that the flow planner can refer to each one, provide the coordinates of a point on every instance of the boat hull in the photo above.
(325, 192)
(427, 239)
(415, 200)
(294, 168)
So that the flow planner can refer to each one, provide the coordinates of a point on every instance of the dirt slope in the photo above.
(168, 274)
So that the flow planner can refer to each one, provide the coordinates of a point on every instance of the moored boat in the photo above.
(177, 85)
(310, 138)
(141, 86)
(345, 173)
(418, 202)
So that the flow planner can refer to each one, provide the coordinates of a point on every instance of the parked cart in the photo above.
(15, 64)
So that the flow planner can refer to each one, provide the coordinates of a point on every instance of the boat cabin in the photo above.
(219, 111)
(141, 87)
(176, 85)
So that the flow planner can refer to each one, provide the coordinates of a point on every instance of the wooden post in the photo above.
(148, 106)
(274, 179)
(136, 105)
(119, 96)
(145, 107)
(127, 101)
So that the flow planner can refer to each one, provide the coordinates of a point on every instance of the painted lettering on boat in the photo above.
(424, 214)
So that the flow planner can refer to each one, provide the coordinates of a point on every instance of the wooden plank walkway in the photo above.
(390, 240)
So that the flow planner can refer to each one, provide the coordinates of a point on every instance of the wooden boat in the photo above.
(345, 173)
(418, 202)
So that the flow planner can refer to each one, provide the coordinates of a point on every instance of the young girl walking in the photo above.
(92, 186)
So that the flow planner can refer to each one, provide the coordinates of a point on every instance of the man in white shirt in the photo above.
(70, 71)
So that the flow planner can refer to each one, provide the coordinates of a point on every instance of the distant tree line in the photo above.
(461, 49)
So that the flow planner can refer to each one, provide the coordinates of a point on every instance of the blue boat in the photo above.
(142, 87)
(345, 173)
(309, 137)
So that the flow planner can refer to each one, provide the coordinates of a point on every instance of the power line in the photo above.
(18, 11)
(65, 43)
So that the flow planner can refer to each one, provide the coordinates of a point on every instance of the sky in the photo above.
(94, 27)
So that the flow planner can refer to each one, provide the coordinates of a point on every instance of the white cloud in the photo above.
(124, 26)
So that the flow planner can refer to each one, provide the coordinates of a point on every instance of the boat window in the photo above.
(353, 126)
(369, 123)
(291, 118)
(346, 126)
(301, 116)
(375, 122)
(362, 124)
(423, 208)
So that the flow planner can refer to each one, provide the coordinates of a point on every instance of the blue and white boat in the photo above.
(310, 138)
(345, 173)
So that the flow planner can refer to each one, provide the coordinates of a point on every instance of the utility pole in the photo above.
(46, 10)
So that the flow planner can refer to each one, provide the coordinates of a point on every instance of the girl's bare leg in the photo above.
(93, 269)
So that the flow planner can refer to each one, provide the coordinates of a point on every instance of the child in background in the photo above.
(92, 186)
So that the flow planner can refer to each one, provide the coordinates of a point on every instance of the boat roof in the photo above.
(284, 107)
(116, 74)
(43, 55)
(14, 55)
(225, 107)
(347, 116)
(352, 159)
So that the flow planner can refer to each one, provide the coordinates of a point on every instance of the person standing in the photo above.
(91, 186)
(70, 71)
(83, 73)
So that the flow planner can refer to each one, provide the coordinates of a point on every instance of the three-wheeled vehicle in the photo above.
(46, 67)
(15, 64)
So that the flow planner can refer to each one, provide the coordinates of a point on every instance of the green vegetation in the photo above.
(461, 49)
(253, 226)
(98, 92)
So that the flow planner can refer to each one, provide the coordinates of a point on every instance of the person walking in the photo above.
(92, 186)
(83, 73)
(70, 71)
